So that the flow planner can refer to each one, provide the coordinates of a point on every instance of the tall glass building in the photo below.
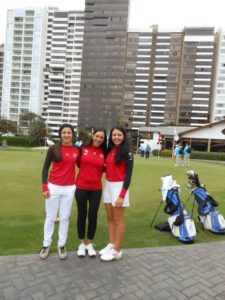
(103, 63)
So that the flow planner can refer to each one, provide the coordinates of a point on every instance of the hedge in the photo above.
(195, 154)
(19, 141)
(208, 155)
(166, 153)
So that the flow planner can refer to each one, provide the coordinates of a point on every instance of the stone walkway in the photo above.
(185, 272)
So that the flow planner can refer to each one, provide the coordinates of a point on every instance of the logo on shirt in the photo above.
(94, 153)
(85, 151)
(75, 155)
(101, 155)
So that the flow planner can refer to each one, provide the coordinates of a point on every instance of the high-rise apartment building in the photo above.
(136, 79)
(62, 70)
(197, 76)
(104, 55)
(23, 62)
(218, 110)
(166, 79)
(1, 72)
(169, 77)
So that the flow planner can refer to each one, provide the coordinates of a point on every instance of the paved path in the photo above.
(184, 272)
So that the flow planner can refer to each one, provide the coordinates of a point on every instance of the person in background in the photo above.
(78, 143)
(142, 148)
(187, 152)
(119, 166)
(58, 188)
(89, 189)
(174, 154)
(147, 151)
(179, 155)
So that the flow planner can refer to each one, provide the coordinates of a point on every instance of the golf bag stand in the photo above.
(209, 217)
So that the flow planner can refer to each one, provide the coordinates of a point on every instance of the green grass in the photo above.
(22, 206)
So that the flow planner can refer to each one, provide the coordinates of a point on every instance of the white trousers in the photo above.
(60, 201)
(187, 160)
(178, 160)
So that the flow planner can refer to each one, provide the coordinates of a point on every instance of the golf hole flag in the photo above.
(176, 136)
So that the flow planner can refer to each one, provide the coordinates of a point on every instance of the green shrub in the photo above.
(156, 152)
(18, 141)
(166, 153)
(196, 155)
(208, 155)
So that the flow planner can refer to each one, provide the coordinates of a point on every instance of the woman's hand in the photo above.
(46, 194)
(119, 202)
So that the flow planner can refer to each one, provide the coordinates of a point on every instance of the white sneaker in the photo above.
(106, 249)
(112, 255)
(44, 252)
(62, 252)
(91, 251)
(81, 252)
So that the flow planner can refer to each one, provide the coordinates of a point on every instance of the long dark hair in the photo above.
(124, 147)
(57, 148)
(103, 145)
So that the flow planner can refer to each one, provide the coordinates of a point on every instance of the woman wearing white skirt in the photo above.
(119, 166)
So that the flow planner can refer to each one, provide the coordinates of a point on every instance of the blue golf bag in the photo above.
(210, 218)
(180, 223)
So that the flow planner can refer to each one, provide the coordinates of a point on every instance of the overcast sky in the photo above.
(174, 14)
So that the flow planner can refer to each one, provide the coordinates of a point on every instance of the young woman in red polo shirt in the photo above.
(119, 166)
(58, 188)
(89, 190)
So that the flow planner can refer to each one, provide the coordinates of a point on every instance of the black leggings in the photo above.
(82, 198)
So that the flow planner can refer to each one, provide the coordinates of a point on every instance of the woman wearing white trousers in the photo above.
(59, 188)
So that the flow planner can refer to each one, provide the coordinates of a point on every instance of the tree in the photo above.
(26, 119)
(133, 139)
(37, 131)
(36, 127)
(84, 135)
(7, 126)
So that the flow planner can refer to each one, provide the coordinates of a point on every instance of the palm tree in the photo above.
(37, 131)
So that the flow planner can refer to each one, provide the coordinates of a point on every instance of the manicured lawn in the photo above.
(22, 206)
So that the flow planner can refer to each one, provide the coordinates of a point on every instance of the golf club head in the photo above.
(193, 181)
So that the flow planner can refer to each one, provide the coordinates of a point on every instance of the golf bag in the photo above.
(210, 218)
(180, 223)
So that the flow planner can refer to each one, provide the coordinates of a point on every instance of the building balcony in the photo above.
(53, 122)
(57, 47)
(56, 88)
(58, 111)
(57, 64)
(63, 31)
(56, 76)
(157, 117)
